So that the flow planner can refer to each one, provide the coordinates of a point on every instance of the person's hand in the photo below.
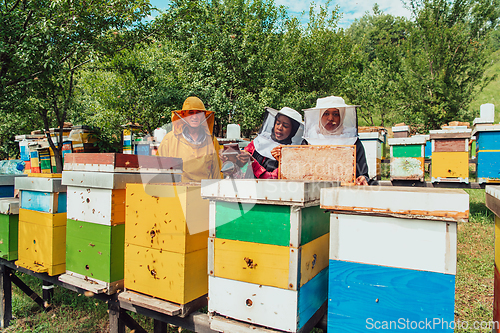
(243, 157)
(223, 158)
(361, 180)
(276, 152)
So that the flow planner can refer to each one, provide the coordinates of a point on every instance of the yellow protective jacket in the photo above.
(199, 161)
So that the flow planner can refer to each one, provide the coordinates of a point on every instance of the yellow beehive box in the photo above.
(175, 277)
(450, 165)
(166, 239)
(166, 217)
(271, 265)
(42, 247)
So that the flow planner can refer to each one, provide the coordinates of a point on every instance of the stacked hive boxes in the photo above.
(166, 242)
(393, 254)
(268, 254)
(450, 155)
(42, 223)
(493, 203)
(9, 226)
(488, 152)
(372, 142)
(408, 158)
(401, 131)
(128, 141)
(96, 214)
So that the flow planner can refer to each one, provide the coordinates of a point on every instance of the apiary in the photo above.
(96, 185)
(9, 226)
(450, 155)
(408, 158)
(488, 152)
(393, 253)
(166, 235)
(493, 203)
(42, 223)
(267, 254)
(372, 143)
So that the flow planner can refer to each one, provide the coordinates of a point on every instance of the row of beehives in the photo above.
(270, 256)
(449, 152)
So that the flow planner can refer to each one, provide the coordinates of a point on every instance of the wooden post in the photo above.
(47, 291)
(160, 327)
(116, 324)
(5, 296)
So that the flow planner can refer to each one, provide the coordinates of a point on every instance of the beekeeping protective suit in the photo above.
(192, 140)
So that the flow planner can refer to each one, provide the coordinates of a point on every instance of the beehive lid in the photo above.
(267, 191)
(114, 181)
(450, 134)
(10, 179)
(493, 199)
(371, 136)
(486, 128)
(404, 128)
(40, 184)
(414, 140)
(127, 163)
(406, 202)
(9, 206)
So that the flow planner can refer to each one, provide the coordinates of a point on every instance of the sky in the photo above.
(351, 10)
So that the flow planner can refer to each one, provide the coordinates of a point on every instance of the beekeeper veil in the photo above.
(331, 122)
(267, 138)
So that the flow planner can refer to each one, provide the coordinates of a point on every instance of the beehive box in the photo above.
(393, 255)
(166, 235)
(9, 226)
(96, 216)
(318, 163)
(42, 224)
(488, 152)
(267, 255)
(114, 162)
(401, 131)
(372, 142)
(7, 183)
(42, 242)
(450, 155)
(408, 158)
(96, 252)
(493, 203)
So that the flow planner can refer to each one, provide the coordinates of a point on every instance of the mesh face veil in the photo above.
(321, 128)
(266, 141)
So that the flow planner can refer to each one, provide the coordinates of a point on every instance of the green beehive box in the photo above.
(95, 251)
(9, 226)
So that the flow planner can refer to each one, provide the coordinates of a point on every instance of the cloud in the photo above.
(350, 10)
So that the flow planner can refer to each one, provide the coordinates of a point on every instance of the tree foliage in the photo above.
(445, 59)
(95, 63)
(43, 43)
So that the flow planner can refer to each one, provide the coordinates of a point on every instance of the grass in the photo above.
(473, 299)
(475, 264)
(490, 93)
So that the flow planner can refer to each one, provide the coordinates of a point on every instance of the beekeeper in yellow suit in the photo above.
(192, 140)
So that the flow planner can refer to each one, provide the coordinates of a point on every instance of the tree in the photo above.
(445, 59)
(374, 85)
(141, 85)
(44, 43)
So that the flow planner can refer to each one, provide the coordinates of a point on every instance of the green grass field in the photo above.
(491, 93)
(473, 300)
